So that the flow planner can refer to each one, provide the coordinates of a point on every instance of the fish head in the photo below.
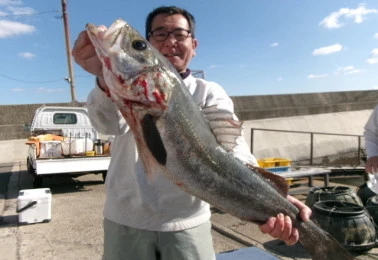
(137, 75)
(140, 81)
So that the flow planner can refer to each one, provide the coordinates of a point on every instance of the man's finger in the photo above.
(293, 239)
(278, 226)
(286, 233)
(268, 226)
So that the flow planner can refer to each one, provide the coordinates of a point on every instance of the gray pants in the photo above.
(125, 243)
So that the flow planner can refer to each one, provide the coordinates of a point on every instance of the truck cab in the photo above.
(63, 141)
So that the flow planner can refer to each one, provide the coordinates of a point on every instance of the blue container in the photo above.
(278, 169)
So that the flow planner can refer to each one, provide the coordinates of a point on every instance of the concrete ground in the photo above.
(75, 229)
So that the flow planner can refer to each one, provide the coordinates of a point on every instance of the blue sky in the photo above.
(250, 47)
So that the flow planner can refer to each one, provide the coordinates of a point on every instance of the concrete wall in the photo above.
(13, 151)
(296, 146)
(289, 105)
(331, 112)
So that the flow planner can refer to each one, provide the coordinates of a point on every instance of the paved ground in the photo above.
(75, 230)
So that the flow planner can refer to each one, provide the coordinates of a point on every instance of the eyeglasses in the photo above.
(161, 35)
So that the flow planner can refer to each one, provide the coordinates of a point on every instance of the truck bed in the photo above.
(75, 164)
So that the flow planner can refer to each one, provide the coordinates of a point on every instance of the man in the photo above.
(146, 219)
(371, 142)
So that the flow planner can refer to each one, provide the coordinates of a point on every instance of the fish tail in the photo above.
(320, 244)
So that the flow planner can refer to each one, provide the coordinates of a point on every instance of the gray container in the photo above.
(99, 147)
(348, 223)
(339, 193)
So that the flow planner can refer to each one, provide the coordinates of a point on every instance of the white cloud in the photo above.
(358, 15)
(274, 44)
(10, 2)
(376, 36)
(21, 10)
(27, 55)
(214, 66)
(10, 28)
(348, 70)
(327, 50)
(374, 57)
(14, 7)
(279, 79)
(317, 76)
(17, 89)
(49, 90)
(375, 87)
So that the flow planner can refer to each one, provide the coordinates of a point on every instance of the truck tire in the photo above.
(30, 166)
(37, 180)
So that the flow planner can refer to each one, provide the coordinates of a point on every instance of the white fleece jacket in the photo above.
(133, 199)
(371, 134)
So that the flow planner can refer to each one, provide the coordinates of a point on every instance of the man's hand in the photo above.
(85, 56)
(281, 226)
(371, 165)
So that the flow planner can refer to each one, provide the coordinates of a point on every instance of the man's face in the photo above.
(179, 53)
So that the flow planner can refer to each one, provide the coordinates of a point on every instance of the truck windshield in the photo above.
(64, 118)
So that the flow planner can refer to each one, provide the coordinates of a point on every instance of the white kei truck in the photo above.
(63, 141)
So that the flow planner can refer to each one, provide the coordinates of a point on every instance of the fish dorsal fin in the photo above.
(224, 126)
(278, 182)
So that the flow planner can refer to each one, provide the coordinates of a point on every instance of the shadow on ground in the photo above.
(279, 247)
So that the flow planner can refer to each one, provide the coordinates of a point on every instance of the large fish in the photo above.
(174, 137)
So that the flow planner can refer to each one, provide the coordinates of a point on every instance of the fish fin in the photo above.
(228, 146)
(228, 139)
(320, 244)
(229, 123)
(227, 131)
(153, 140)
(273, 179)
(224, 125)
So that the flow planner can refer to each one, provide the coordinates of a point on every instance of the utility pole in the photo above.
(70, 79)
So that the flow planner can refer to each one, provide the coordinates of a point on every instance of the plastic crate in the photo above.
(273, 162)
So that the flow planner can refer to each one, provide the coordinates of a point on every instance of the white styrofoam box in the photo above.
(34, 206)
(77, 145)
(50, 149)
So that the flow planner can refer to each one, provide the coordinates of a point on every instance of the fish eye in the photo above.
(139, 45)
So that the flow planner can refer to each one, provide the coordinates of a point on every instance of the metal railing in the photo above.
(311, 134)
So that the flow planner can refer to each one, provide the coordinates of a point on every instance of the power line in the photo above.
(39, 82)
(31, 82)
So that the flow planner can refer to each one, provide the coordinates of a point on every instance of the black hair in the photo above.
(170, 10)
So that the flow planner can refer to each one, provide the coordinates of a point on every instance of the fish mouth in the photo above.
(101, 32)
(98, 31)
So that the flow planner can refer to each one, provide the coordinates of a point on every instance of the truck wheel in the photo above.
(29, 166)
(104, 176)
(37, 181)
